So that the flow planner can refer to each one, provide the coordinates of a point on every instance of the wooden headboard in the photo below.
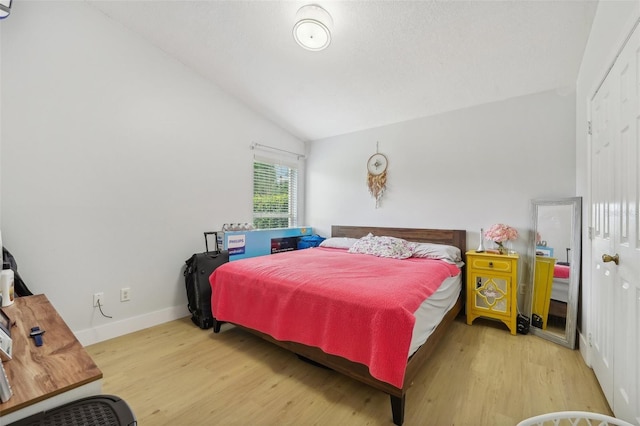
(452, 237)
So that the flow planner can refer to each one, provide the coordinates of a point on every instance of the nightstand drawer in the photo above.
(491, 264)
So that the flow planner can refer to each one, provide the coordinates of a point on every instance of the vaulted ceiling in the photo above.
(389, 61)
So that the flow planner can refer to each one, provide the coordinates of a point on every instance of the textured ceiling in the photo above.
(389, 61)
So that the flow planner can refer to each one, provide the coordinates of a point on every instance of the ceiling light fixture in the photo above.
(313, 27)
(5, 8)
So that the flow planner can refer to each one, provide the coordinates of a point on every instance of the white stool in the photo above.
(573, 418)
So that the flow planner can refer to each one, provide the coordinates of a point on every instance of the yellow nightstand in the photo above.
(492, 287)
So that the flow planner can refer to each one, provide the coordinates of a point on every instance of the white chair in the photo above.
(573, 418)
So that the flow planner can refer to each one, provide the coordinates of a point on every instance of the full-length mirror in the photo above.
(555, 273)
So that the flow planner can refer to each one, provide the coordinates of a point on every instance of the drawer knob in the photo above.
(490, 264)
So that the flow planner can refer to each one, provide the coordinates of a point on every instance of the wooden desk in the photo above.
(50, 375)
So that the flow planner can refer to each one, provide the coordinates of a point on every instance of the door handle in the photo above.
(608, 258)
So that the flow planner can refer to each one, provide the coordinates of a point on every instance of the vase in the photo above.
(510, 249)
(501, 248)
(481, 245)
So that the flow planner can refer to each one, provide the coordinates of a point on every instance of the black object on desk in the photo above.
(36, 333)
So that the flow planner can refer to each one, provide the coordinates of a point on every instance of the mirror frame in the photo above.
(569, 339)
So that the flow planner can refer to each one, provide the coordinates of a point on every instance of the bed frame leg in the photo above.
(216, 325)
(397, 408)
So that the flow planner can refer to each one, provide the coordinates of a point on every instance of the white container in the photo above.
(6, 284)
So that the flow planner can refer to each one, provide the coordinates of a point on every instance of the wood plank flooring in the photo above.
(176, 374)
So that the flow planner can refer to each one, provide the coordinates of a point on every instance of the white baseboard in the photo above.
(119, 328)
(583, 346)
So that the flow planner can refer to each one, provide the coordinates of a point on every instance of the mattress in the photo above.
(433, 310)
(560, 290)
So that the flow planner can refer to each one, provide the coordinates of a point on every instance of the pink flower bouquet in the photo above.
(499, 233)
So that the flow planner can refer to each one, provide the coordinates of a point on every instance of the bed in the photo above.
(561, 279)
(560, 293)
(382, 355)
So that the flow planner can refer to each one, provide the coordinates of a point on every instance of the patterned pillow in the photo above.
(395, 248)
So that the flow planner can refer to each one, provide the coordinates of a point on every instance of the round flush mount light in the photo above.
(313, 27)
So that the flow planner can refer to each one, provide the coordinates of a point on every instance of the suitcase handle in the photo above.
(206, 242)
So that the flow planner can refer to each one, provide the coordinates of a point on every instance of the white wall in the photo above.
(115, 159)
(611, 25)
(466, 169)
(555, 228)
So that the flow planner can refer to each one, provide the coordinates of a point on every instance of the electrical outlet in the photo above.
(125, 294)
(98, 298)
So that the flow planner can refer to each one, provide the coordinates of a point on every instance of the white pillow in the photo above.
(449, 254)
(339, 242)
(395, 248)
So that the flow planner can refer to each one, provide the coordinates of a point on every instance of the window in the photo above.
(275, 195)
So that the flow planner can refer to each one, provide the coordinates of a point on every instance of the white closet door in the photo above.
(601, 217)
(615, 188)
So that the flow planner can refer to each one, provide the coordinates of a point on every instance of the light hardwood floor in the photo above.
(176, 374)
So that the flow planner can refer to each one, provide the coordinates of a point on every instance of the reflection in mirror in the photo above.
(555, 255)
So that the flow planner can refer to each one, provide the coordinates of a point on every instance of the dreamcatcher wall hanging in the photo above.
(377, 175)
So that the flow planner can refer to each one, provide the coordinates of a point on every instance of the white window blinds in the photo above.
(275, 194)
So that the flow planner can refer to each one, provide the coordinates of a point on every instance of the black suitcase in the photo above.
(199, 268)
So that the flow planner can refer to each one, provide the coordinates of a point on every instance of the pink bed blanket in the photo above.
(561, 271)
(356, 306)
